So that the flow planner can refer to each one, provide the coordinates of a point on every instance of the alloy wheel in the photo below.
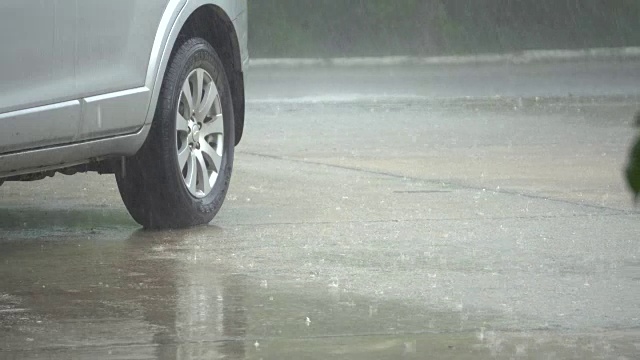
(199, 133)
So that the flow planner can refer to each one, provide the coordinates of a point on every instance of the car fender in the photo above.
(172, 22)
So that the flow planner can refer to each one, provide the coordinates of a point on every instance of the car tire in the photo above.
(158, 188)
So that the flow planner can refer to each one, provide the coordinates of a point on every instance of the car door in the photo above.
(113, 47)
(38, 106)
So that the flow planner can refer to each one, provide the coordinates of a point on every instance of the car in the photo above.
(149, 90)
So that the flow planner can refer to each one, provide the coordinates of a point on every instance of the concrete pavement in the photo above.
(461, 212)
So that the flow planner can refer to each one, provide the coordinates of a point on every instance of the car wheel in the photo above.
(180, 176)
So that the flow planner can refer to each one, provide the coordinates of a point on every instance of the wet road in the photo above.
(440, 212)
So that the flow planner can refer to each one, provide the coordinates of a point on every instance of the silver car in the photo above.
(149, 90)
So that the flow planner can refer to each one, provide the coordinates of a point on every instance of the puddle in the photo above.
(27, 222)
(186, 294)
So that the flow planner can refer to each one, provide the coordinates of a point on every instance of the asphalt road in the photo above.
(462, 212)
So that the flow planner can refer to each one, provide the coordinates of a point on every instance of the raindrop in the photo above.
(521, 350)
(480, 334)
(373, 309)
(410, 347)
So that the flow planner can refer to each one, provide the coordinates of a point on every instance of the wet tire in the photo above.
(153, 185)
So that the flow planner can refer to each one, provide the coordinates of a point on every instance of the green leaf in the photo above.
(633, 166)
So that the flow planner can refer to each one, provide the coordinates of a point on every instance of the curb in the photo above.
(522, 57)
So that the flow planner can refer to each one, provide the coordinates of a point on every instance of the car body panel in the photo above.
(157, 68)
(36, 65)
(114, 113)
(35, 71)
(117, 112)
(43, 159)
(114, 58)
(114, 41)
(242, 24)
(39, 126)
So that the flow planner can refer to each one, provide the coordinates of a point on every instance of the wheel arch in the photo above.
(198, 18)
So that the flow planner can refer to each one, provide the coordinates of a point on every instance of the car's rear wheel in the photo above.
(180, 176)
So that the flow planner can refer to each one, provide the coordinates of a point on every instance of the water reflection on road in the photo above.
(117, 292)
(105, 293)
(197, 306)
